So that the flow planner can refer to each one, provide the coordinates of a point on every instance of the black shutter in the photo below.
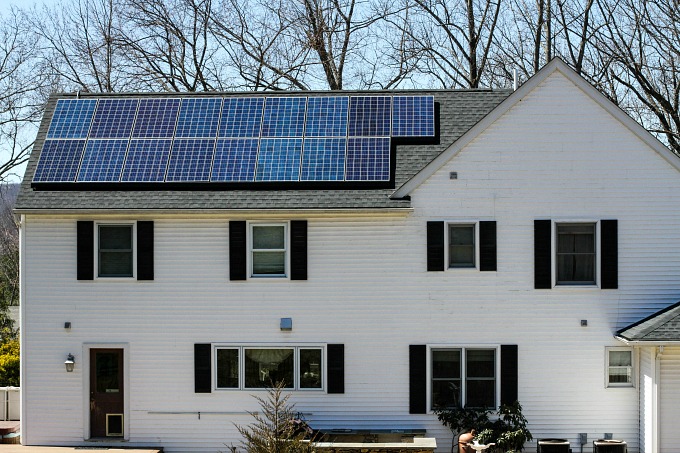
(238, 249)
(435, 246)
(85, 250)
(509, 380)
(202, 369)
(609, 249)
(336, 368)
(145, 250)
(487, 246)
(417, 378)
(298, 250)
(542, 254)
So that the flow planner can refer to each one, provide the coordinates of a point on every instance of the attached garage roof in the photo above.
(663, 326)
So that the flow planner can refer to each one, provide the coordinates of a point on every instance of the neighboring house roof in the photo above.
(661, 327)
(555, 65)
(459, 110)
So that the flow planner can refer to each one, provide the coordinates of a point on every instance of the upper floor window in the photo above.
(115, 258)
(462, 249)
(619, 367)
(463, 377)
(576, 254)
(268, 250)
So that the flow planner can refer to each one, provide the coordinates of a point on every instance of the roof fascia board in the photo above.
(650, 343)
(555, 65)
(222, 213)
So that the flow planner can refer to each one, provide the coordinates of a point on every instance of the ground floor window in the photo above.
(244, 367)
(463, 377)
(620, 367)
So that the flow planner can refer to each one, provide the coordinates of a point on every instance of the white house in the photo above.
(382, 252)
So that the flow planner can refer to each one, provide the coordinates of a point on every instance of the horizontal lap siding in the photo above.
(368, 288)
(669, 400)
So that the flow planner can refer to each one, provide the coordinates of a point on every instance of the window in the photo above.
(462, 246)
(619, 367)
(115, 258)
(575, 254)
(463, 377)
(268, 250)
(257, 367)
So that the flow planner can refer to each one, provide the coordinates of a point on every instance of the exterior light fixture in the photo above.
(70, 363)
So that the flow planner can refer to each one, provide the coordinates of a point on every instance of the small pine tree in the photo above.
(274, 429)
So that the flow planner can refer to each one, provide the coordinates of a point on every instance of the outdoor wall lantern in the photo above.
(70, 363)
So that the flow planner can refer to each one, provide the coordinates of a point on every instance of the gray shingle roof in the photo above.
(659, 327)
(459, 110)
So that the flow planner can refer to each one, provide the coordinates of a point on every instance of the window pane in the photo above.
(461, 245)
(480, 363)
(115, 237)
(480, 393)
(227, 368)
(266, 367)
(107, 372)
(445, 393)
(310, 368)
(446, 364)
(620, 358)
(269, 237)
(269, 263)
(620, 375)
(575, 253)
(115, 264)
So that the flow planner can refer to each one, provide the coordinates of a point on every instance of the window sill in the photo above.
(576, 287)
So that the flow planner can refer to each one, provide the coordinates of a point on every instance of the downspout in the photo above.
(658, 353)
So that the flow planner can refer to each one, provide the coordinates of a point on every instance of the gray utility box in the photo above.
(553, 446)
(609, 446)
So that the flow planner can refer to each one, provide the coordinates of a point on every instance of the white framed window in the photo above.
(268, 250)
(576, 258)
(260, 367)
(620, 367)
(115, 250)
(464, 377)
(462, 248)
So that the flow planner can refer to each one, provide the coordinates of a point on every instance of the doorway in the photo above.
(107, 398)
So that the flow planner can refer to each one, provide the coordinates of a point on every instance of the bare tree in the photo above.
(641, 44)
(454, 40)
(20, 106)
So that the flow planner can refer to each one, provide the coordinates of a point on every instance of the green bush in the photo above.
(9, 363)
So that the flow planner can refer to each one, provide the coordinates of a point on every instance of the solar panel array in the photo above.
(233, 139)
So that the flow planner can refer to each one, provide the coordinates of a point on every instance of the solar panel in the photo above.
(241, 117)
(323, 159)
(327, 116)
(156, 118)
(59, 160)
(279, 159)
(113, 118)
(234, 160)
(146, 161)
(71, 118)
(368, 159)
(369, 116)
(190, 160)
(413, 116)
(102, 161)
(284, 117)
(199, 118)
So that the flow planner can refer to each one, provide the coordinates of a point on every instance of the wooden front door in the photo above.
(106, 393)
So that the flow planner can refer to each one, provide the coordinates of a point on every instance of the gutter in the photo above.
(650, 343)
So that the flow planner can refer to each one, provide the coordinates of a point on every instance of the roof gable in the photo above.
(555, 66)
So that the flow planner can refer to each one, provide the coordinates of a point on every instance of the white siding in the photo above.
(669, 401)
(555, 155)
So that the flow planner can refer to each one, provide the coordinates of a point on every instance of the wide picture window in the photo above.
(297, 367)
